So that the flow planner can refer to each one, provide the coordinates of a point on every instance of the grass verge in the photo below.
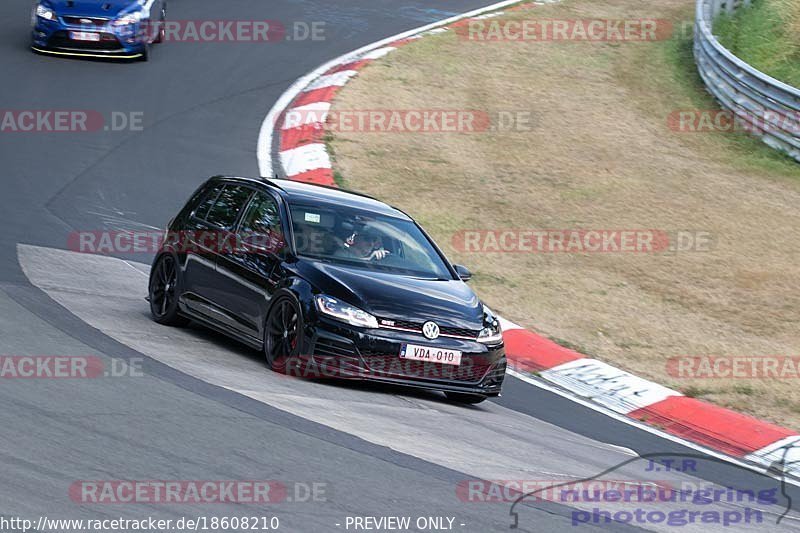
(599, 154)
(766, 35)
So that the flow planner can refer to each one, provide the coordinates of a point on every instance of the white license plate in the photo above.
(430, 354)
(84, 36)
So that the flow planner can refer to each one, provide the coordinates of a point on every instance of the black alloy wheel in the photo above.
(283, 333)
(163, 292)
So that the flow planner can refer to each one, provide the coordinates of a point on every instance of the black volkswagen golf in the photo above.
(327, 283)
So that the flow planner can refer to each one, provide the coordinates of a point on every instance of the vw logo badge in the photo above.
(87, 22)
(430, 330)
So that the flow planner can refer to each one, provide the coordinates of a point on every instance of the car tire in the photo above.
(163, 291)
(161, 27)
(283, 333)
(145, 57)
(465, 398)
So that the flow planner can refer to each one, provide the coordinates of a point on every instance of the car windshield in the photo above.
(361, 239)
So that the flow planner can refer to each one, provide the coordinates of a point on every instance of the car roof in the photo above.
(296, 192)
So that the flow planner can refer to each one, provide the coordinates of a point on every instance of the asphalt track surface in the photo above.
(206, 408)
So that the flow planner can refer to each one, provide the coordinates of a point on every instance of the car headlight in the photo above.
(491, 333)
(45, 12)
(339, 310)
(127, 20)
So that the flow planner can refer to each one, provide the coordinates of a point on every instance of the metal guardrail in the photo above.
(765, 106)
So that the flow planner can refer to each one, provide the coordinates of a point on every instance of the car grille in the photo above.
(443, 330)
(459, 332)
(330, 359)
(470, 370)
(82, 21)
(329, 348)
(497, 374)
(107, 42)
(335, 357)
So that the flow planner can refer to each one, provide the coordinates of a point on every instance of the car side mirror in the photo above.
(463, 272)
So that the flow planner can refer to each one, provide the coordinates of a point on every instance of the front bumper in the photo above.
(341, 351)
(55, 37)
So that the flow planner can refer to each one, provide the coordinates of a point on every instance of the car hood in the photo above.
(93, 8)
(448, 302)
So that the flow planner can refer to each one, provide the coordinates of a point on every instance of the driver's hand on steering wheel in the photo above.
(378, 255)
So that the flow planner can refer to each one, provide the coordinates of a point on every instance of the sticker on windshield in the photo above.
(313, 217)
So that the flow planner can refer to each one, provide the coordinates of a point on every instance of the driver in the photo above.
(366, 245)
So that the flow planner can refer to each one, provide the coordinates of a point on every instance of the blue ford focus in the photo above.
(98, 28)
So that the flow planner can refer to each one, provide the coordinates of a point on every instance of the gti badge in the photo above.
(430, 330)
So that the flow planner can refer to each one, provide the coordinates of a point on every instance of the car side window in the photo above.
(262, 223)
(207, 200)
(227, 206)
